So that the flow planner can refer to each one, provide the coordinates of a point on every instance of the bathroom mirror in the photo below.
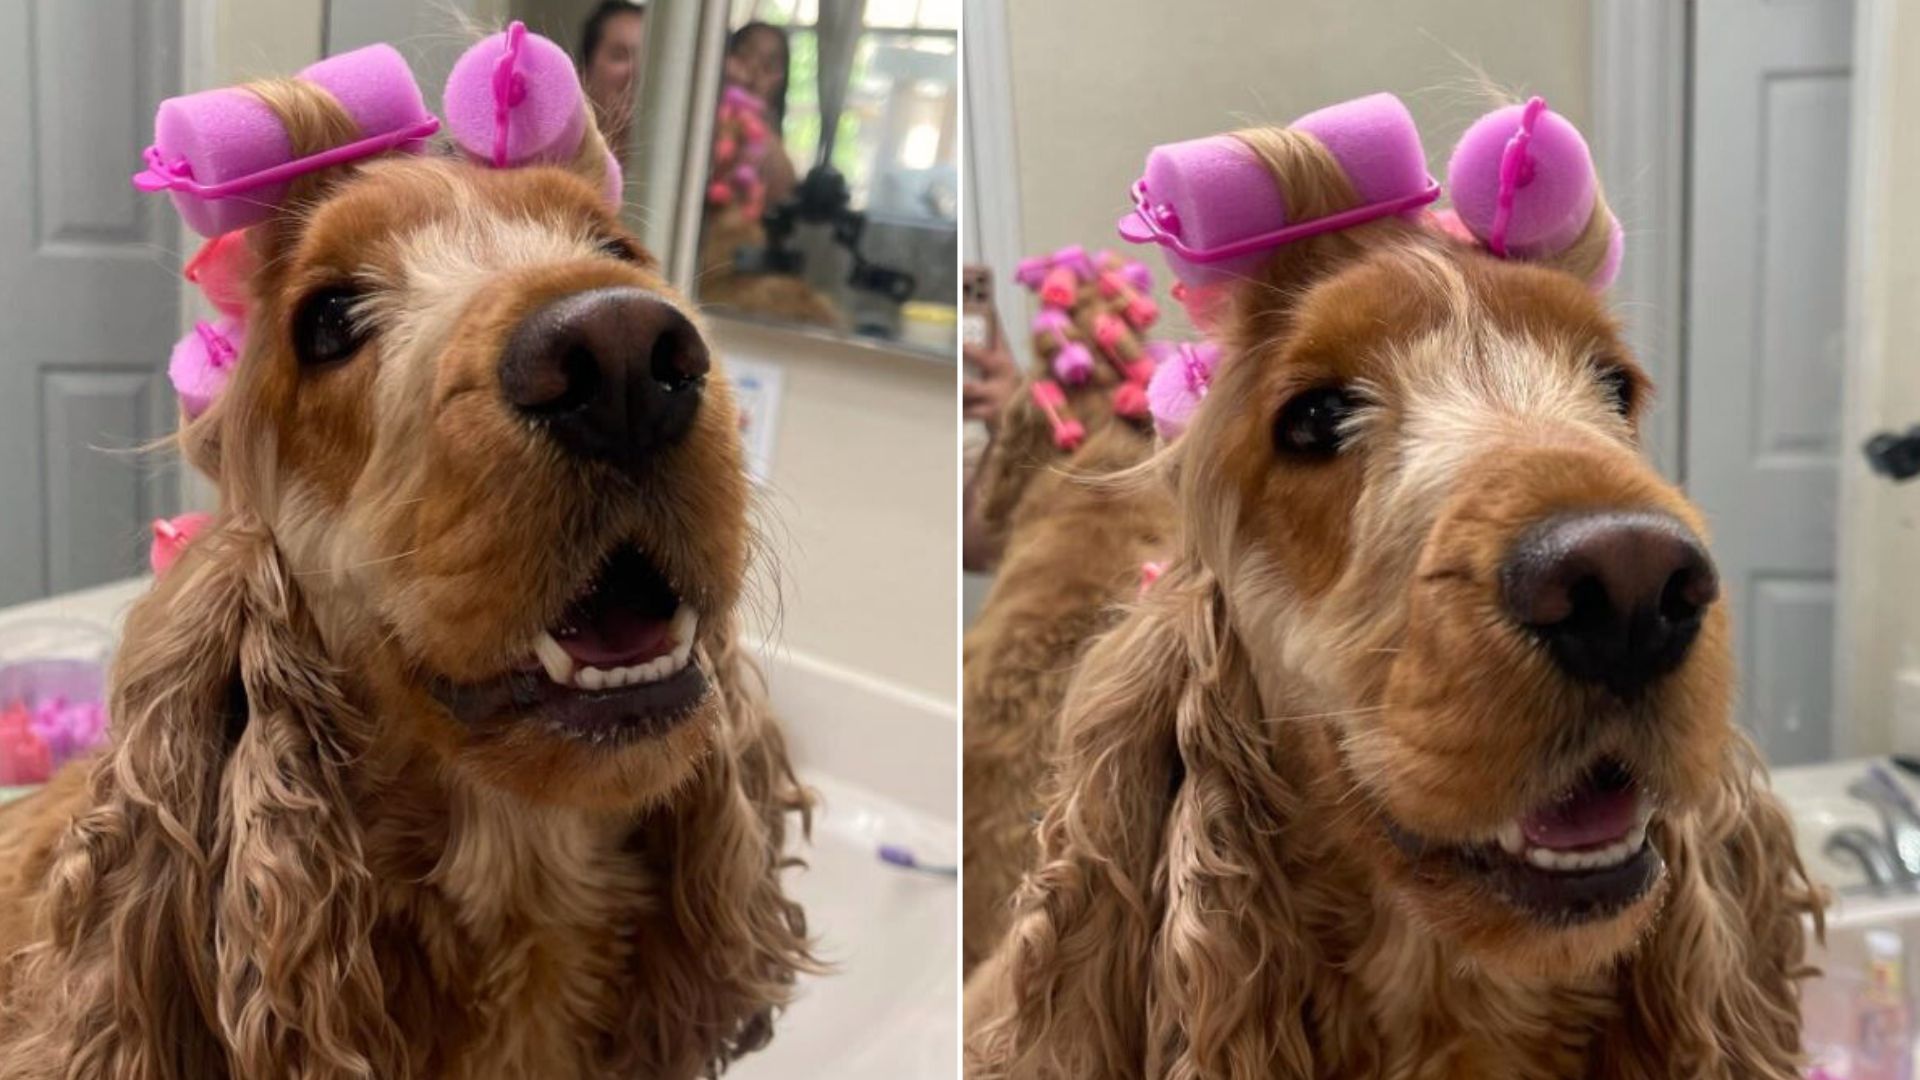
(828, 188)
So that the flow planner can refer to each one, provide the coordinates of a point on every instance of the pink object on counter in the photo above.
(171, 537)
(24, 756)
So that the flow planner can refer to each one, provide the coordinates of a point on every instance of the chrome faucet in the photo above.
(1899, 820)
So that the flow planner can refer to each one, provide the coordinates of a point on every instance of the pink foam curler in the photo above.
(1067, 432)
(1130, 400)
(202, 362)
(222, 268)
(171, 537)
(1524, 185)
(1072, 363)
(1215, 209)
(1150, 572)
(226, 159)
(515, 99)
(1059, 287)
(1178, 385)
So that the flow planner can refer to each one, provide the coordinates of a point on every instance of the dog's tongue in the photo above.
(613, 636)
(626, 619)
(1592, 815)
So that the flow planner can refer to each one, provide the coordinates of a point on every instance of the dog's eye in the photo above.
(1310, 424)
(324, 330)
(1619, 387)
(615, 248)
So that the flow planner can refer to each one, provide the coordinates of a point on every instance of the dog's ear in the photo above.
(1715, 991)
(1136, 938)
(1022, 445)
(721, 952)
(216, 883)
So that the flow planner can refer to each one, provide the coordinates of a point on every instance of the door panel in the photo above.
(1772, 87)
(89, 296)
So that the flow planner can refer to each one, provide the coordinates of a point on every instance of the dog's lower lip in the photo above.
(611, 716)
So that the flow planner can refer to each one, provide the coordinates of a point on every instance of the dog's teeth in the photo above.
(1512, 840)
(554, 658)
(1637, 837)
(591, 678)
(685, 621)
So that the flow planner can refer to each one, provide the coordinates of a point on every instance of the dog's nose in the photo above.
(1617, 596)
(614, 374)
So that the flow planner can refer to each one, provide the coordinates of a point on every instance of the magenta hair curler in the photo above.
(226, 160)
(1215, 209)
(1178, 384)
(1072, 363)
(1523, 185)
(514, 99)
(1067, 432)
(202, 362)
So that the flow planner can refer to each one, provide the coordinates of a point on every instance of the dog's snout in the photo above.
(614, 374)
(1617, 596)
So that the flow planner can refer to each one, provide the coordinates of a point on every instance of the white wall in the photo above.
(1096, 83)
(1880, 522)
(863, 506)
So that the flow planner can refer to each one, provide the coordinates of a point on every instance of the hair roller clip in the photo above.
(1130, 400)
(1067, 432)
(1178, 385)
(1524, 186)
(514, 99)
(1216, 208)
(221, 268)
(202, 362)
(227, 160)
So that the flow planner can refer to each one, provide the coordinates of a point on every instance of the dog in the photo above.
(1417, 761)
(438, 753)
(1073, 550)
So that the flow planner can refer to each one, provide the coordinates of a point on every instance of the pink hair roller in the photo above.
(226, 159)
(171, 537)
(1215, 209)
(1524, 185)
(514, 99)
(1072, 363)
(202, 362)
(1067, 432)
(1059, 287)
(221, 268)
(1130, 400)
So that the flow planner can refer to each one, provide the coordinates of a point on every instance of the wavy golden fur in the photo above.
(1218, 892)
(293, 860)
(1073, 549)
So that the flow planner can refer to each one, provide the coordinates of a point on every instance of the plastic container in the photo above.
(52, 698)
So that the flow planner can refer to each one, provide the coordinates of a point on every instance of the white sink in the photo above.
(890, 1009)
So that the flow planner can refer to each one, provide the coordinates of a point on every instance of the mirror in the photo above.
(831, 182)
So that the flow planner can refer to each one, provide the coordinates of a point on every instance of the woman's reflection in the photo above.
(610, 51)
(750, 172)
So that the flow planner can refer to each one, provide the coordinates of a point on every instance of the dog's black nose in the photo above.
(614, 374)
(1616, 595)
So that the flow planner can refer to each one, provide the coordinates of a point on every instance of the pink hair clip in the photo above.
(1067, 432)
(171, 537)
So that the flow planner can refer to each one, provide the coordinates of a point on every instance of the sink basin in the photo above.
(1816, 798)
(890, 1009)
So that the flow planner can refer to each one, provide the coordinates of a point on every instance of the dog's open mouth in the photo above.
(1583, 855)
(618, 664)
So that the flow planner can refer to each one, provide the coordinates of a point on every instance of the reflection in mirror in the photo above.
(832, 183)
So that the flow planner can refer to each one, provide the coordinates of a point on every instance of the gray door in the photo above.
(89, 297)
(1772, 89)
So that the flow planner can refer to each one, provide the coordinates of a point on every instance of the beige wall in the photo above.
(862, 507)
(1880, 524)
(1098, 82)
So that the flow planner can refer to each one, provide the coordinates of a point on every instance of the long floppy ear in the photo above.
(215, 884)
(1126, 946)
(1021, 447)
(1715, 992)
(720, 954)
